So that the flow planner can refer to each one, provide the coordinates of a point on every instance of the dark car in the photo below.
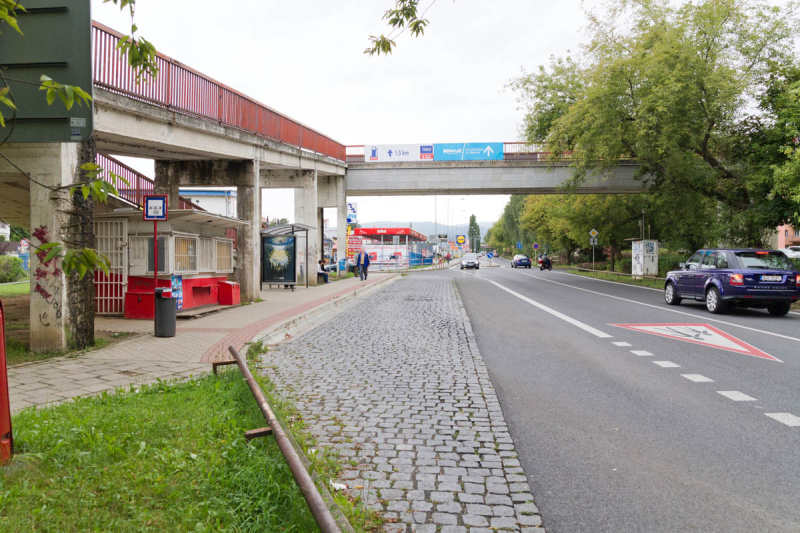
(521, 261)
(762, 279)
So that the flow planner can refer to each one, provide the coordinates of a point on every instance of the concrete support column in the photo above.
(306, 212)
(341, 219)
(59, 310)
(167, 181)
(248, 247)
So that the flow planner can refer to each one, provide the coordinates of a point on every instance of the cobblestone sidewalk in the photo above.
(397, 386)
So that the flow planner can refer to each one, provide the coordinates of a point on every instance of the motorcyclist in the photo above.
(545, 262)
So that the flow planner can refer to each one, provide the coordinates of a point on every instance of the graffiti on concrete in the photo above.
(48, 279)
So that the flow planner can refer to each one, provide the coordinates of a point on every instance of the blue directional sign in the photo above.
(468, 152)
(519, 245)
(489, 255)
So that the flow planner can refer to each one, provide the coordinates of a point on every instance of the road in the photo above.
(621, 430)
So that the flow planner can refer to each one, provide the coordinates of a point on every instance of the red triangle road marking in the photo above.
(704, 334)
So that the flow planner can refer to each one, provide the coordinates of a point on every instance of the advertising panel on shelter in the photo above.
(468, 152)
(392, 153)
(278, 259)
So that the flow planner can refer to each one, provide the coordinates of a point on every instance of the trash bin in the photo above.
(229, 293)
(166, 312)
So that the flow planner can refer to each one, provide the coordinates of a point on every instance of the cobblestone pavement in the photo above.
(397, 386)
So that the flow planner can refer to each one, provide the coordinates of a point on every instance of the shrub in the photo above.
(11, 269)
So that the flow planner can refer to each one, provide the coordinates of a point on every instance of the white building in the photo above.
(218, 200)
(5, 232)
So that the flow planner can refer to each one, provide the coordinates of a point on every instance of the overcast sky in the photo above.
(305, 58)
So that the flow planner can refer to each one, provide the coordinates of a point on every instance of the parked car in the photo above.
(470, 260)
(520, 260)
(792, 252)
(762, 279)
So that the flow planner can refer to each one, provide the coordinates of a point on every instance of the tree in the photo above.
(404, 16)
(474, 234)
(667, 86)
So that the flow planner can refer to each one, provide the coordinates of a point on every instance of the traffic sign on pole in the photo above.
(593, 233)
(536, 246)
(519, 245)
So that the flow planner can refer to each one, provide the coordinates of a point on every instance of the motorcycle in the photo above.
(545, 263)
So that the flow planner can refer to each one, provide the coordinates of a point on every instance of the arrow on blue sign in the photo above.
(390, 153)
(519, 245)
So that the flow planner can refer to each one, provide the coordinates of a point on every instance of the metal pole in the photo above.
(593, 257)
(155, 272)
(322, 515)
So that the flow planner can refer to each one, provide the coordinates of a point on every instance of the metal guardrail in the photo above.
(618, 274)
(182, 89)
(322, 515)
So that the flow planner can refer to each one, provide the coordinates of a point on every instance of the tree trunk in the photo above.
(80, 234)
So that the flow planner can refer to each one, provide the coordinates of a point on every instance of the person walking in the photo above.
(448, 258)
(362, 263)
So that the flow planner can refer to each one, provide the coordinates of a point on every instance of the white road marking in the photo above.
(641, 352)
(785, 418)
(621, 344)
(737, 396)
(666, 364)
(698, 378)
(663, 308)
(562, 316)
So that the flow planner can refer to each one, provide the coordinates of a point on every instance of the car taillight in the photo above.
(797, 281)
(738, 279)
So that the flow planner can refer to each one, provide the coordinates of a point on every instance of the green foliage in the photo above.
(8, 14)
(166, 457)
(16, 289)
(474, 234)
(405, 15)
(11, 269)
(68, 94)
(668, 86)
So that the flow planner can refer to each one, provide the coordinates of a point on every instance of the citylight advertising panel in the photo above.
(278, 259)
(468, 152)
(393, 153)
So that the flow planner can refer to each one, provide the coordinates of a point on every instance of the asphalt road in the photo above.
(621, 430)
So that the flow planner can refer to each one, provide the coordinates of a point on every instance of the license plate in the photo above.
(771, 278)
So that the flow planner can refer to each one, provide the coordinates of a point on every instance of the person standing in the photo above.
(362, 263)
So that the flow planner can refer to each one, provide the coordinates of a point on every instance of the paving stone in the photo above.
(443, 519)
(474, 520)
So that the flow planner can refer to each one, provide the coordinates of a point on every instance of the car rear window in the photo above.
(765, 260)
(470, 257)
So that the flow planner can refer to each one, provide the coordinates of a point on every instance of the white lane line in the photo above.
(737, 396)
(698, 378)
(621, 344)
(785, 418)
(664, 308)
(642, 353)
(562, 316)
(666, 364)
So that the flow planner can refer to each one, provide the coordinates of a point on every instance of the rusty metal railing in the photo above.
(322, 515)
(182, 89)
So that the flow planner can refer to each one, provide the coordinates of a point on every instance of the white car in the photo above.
(792, 252)
(470, 261)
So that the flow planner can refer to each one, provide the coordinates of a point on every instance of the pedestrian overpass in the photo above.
(200, 132)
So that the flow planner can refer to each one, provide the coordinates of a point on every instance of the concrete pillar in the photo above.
(248, 246)
(167, 181)
(341, 219)
(53, 313)
(306, 212)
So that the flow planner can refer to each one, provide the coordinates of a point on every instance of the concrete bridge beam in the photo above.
(245, 176)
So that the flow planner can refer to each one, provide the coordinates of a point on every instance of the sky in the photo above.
(305, 59)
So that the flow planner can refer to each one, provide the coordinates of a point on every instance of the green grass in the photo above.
(657, 284)
(15, 289)
(171, 457)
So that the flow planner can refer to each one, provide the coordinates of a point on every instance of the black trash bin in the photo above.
(166, 311)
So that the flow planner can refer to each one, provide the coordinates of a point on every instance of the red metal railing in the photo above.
(138, 184)
(184, 90)
(512, 151)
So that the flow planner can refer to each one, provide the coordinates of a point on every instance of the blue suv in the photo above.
(736, 277)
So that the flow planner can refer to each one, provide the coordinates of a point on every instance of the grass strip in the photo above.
(166, 457)
(15, 289)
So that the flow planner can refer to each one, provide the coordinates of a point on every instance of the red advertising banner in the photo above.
(354, 243)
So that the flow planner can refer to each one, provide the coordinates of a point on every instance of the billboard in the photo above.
(392, 153)
(278, 259)
(468, 152)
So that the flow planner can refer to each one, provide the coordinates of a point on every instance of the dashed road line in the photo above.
(737, 396)
(666, 364)
(641, 353)
(785, 418)
(697, 378)
(622, 344)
